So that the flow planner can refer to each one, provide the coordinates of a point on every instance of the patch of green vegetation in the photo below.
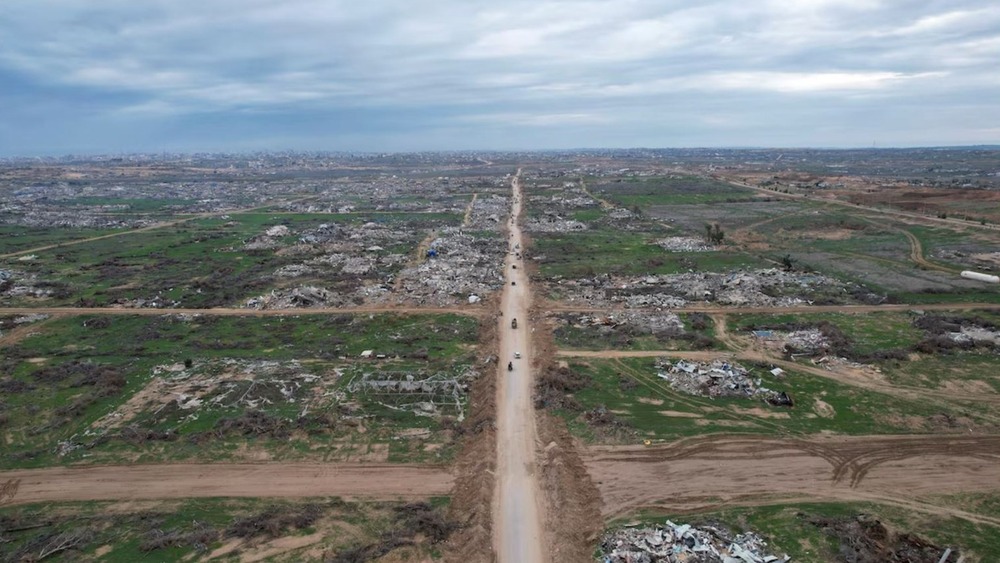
(631, 389)
(182, 530)
(650, 191)
(203, 263)
(698, 334)
(589, 253)
(15, 238)
(60, 382)
(868, 332)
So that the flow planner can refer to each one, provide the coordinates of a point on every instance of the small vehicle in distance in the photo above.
(510, 366)
(513, 323)
(517, 355)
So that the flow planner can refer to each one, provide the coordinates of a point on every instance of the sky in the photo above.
(112, 76)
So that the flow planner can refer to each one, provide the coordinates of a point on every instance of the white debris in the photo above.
(683, 543)
(684, 244)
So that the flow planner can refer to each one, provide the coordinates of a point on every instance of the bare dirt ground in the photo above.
(708, 472)
(167, 481)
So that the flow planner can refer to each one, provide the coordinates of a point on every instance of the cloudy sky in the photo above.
(92, 76)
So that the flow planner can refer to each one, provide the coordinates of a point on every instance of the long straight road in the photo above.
(517, 509)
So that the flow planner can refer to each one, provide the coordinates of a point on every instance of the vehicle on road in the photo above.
(517, 355)
(510, 366)
(513, 323)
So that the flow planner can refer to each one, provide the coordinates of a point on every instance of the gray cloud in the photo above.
(588, 72)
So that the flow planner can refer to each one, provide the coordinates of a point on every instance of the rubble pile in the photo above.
(304, 296)
(684, 244)
(463, 265)
(666, 324)
(423, 394)
(224, 383)
(269, 239)
(718, 378)
(323, 233)
(14, 283)
(760, 288)
(807, 341)
(684, 543)
(975, 335)
(551, 222)
(488, 213)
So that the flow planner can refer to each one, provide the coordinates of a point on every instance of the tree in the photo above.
(787, 262)
(714, 233)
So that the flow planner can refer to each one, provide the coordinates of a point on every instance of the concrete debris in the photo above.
(324, 233)
(807, 341)
(763, 288)
(225, 383)
(551, 222)
(663, 324)
(26, 319)
(975, 334)
(423, 394)
(14, 283)
(268, 239)
(719, 378)
(684, 543)
(293, 271)
(306, 296)
(465, 265)
(684, 244)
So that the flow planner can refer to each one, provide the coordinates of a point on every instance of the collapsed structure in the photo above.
(684, 543)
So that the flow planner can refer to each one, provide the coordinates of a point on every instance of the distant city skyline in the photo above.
(228, 76)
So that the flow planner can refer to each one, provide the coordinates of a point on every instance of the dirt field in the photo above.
(713, 471)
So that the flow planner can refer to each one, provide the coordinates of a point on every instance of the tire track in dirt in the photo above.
(711, 471)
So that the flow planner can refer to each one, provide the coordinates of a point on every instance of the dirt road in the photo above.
(517, 534)
(705, 472)
(166, 481)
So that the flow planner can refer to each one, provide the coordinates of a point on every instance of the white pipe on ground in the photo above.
(980, 277)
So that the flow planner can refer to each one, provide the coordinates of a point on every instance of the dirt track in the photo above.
(712, 471)
(166, 481)
(518, 529)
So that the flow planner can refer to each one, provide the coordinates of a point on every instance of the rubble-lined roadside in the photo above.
(684, 543)
(719, 378)
(761, 288)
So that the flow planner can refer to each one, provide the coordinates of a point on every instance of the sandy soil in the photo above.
(165, 481)
(713, 471)
(518, 527)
